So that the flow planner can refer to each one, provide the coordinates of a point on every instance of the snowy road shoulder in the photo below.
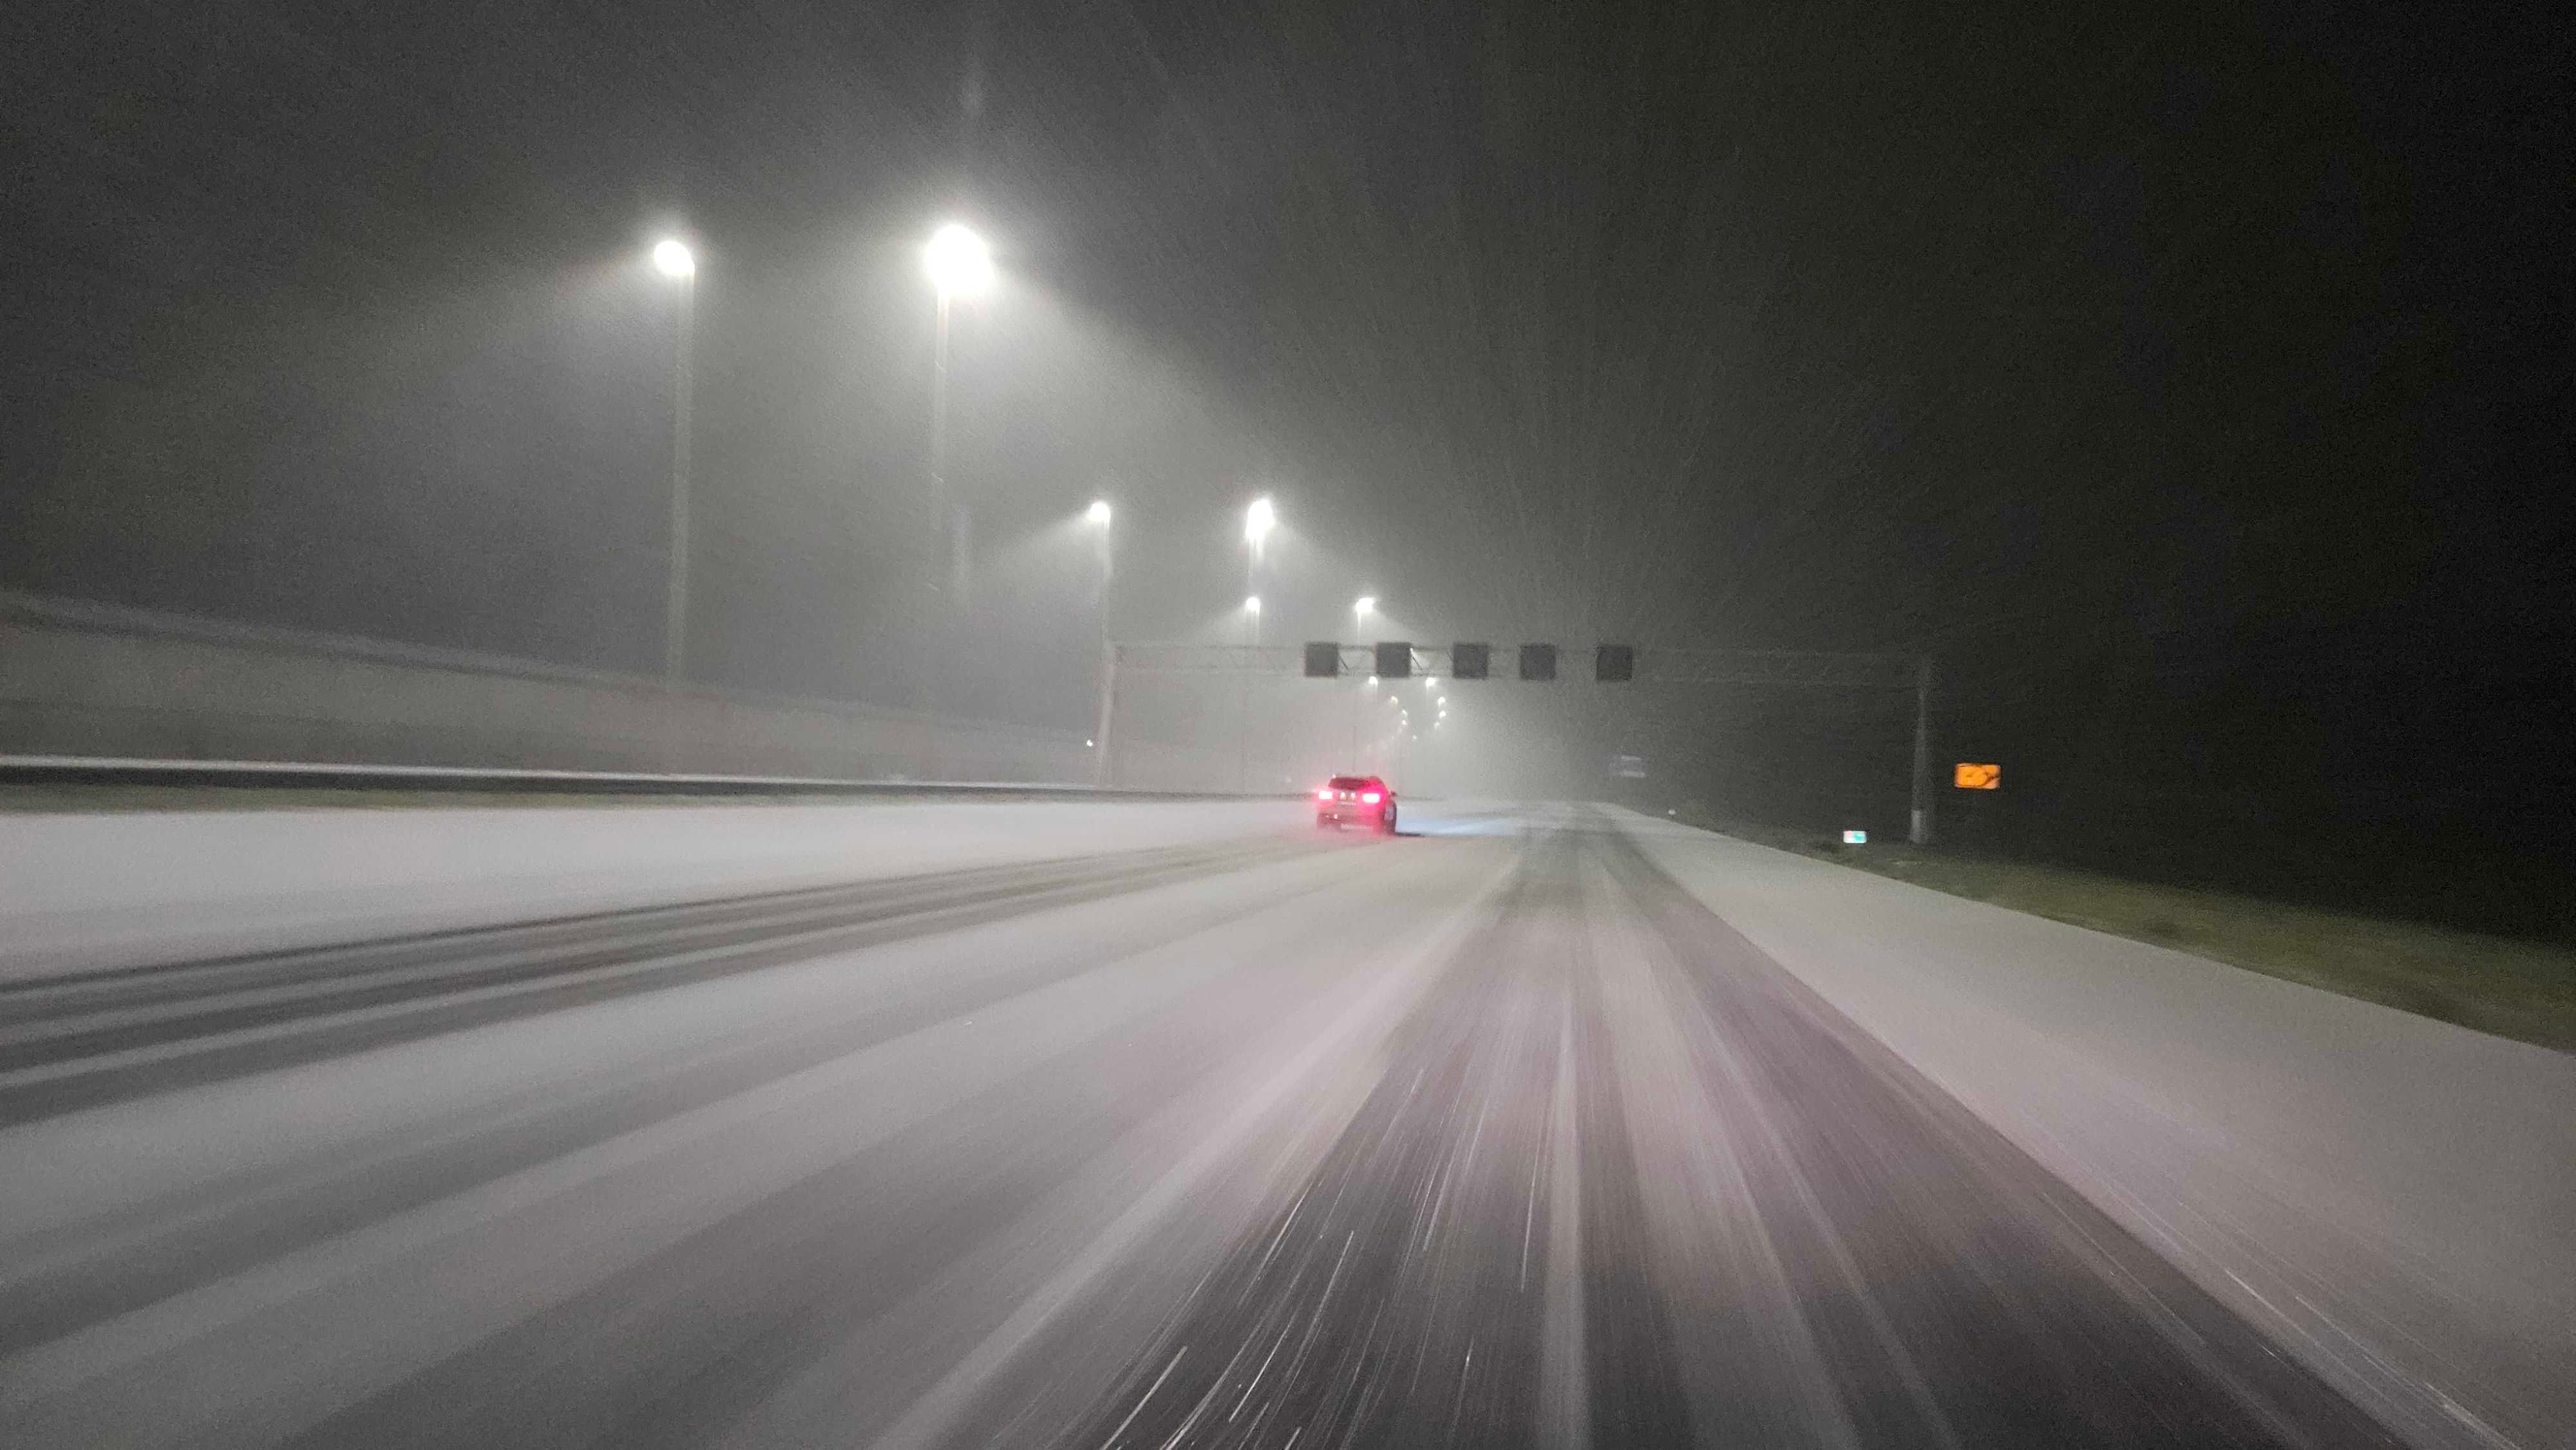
(2367, 1184)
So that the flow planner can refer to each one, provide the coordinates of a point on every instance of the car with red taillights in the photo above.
(1355, 800)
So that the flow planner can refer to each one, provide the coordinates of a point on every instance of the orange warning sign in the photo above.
(1978, 777)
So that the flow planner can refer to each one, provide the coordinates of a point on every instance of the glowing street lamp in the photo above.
(672, 258)
(1098, 513)
(958, 261)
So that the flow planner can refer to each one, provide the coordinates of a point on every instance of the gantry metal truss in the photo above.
(1809, 669)
(1787, 668)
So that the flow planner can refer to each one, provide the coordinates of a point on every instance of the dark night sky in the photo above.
(2196, 382)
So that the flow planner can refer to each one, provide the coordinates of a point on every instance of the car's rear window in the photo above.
(1348, 782)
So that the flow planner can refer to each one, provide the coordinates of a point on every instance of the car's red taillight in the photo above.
(1370, 797)
(1323, 795)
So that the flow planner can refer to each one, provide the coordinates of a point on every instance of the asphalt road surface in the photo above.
(1493, 1136)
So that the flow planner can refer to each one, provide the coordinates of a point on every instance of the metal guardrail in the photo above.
(80, 770)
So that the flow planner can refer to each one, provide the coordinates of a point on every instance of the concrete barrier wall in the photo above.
(85, 679)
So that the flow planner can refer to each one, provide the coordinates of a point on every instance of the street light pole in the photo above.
(939, 501)
(673, 259)
(1921, 834)
(1258, 520)
(1360, 611)
(1101, 770)
(959, 264)
(1358, 706)
(1243, 710)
